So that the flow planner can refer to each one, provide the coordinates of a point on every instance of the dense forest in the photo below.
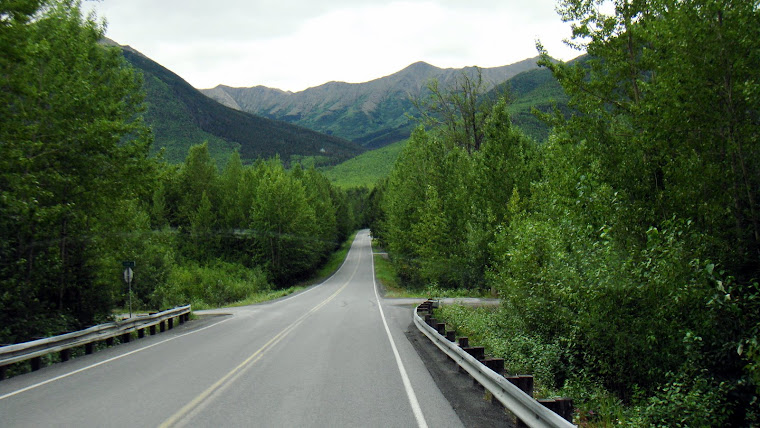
(626, 248)
(80, 193)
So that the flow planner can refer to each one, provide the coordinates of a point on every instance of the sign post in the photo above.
(128, 265)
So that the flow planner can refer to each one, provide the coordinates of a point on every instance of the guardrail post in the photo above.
(495, 364)
(65, 354)
(464, 342)
(3, 373)
(126, 337)
(170, 321)
(162, 326)
(451, 335)
(36, 363)
(152, 329)
(524, 382)
(477, 352)
(560, 406)
(140, 333)
(109, 341)
(182, 319)
(441, 327)
(89, 348)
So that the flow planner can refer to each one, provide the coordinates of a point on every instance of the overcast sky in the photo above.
(296, 44)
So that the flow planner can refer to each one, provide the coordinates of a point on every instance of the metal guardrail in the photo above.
(37, 348)
(522, 405)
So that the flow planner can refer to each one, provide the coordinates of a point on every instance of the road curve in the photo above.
(334, 355)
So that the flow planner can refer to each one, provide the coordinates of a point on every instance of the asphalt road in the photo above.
(334, 355)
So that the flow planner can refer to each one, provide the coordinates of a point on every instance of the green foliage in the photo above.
(182, 116)
(79, 193)
(426, 178)
(687, 400)
(74, 149)
(624, 248)
(522, 352)
(284, 224)
(367, 169)
(213, 285)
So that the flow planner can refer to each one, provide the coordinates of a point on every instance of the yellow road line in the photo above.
(195, 402)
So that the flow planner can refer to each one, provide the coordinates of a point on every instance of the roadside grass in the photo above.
(332, 264)
(265, 296)
(393, 288)
(503, 335)
(489, 327)
(386, 276)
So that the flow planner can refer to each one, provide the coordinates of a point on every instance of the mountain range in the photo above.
(323, 125)
(372, 114)
(181, 116)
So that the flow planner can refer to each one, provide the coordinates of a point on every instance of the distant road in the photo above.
(334, 355)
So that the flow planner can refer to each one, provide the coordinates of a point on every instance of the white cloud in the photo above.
(294, 44)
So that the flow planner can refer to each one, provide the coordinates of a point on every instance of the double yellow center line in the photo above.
(196, 402)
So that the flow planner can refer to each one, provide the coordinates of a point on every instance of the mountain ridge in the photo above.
(372, 113)
(181, 116)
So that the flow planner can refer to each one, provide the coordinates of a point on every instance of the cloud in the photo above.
(293, 44)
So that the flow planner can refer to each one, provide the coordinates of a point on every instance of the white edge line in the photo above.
(37, 385)
(323, 282)
(416, 409)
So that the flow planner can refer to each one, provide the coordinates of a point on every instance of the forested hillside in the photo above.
(530, 92)
(180, 116)
(626, 249)
(367, 169)
(373, 114)
(80, 193)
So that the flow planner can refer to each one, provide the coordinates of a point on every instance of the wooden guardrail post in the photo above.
(34, 351)
(441, 327)
(162, 326)
(477, 352)
(560, 406)
(524, 382)
(495, 364)
(36, 363)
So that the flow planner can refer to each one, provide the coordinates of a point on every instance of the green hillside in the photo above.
(182, 116)
(533, 89)
(372, 114)
(366, 169)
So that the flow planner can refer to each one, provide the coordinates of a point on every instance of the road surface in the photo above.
(334, 355)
